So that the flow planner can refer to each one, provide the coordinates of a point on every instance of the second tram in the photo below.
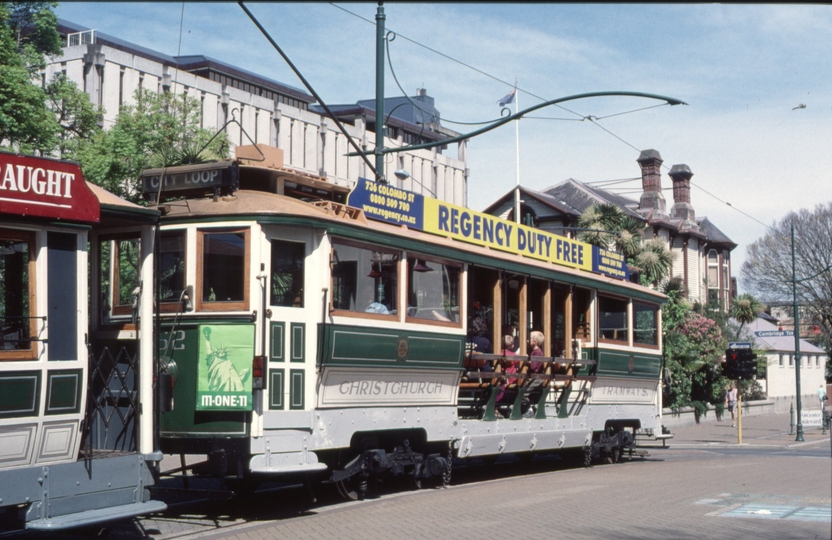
(77, 442)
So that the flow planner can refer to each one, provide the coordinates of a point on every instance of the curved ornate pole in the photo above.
(520, 114)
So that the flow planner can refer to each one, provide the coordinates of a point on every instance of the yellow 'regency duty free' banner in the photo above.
(466, 225)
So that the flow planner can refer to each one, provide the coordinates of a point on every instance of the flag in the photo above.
(507, 99)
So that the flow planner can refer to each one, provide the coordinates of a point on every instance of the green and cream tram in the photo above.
(76, 384)
(315, 331)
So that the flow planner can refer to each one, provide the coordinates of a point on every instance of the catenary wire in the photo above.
(581, 117)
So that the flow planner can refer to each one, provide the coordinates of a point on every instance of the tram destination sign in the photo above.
(48, 188)
(202, 177)
(400, 207)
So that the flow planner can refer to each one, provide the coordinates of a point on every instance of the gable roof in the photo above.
(773, 343)
(713, 234)
(550, 201)
(580, 196)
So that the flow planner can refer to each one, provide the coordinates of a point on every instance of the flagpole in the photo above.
(517, 155)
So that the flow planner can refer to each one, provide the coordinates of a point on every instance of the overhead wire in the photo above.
(581, 117)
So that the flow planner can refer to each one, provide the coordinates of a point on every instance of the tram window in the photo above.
(612, 319)
(364, 280)
(645, 317)
(560, 295)
(119, 274)
(172, 265)
(535, 304)
(222, 270)
(287, 273)
(433, 290)
(581, 309)
(482, 285)
(16, 294)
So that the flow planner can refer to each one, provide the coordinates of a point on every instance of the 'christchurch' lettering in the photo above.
(389, 388)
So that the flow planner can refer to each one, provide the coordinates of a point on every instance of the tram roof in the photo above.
(116, 211)
(341, 220)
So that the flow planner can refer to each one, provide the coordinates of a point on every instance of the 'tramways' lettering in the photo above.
(37, 180)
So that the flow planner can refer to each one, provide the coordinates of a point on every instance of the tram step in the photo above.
(91, 517)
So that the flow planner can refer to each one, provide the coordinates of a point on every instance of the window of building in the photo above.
(791, 360)
(172, 268)
(713, 269)
(645, 324)
(287, 273)
(433, 289)
(782, 361)
(365, 279)
(612, 319)
(17, 293)
(222, 269)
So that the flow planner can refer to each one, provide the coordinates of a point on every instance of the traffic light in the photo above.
(740, 364)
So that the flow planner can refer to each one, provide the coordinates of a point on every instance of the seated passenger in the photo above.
(535, 386)
(481, 344)
(510, 366)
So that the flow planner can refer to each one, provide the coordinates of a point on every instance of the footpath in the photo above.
(767, 430)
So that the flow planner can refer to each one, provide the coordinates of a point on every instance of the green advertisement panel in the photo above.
(224, 372)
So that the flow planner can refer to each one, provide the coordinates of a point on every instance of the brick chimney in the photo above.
(682, 209)
(651, 182)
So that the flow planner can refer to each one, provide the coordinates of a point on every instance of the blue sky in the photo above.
(742, 69)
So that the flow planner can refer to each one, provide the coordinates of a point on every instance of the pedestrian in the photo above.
(822, 394)
(731, 402)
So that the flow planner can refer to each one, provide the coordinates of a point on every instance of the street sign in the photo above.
(739, 345)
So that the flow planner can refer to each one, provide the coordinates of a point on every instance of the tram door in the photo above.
(114, 392)
(294, 315)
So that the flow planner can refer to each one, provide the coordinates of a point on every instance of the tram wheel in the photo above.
(347, 488)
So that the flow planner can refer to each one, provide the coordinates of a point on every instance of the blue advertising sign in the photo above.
(388, 203)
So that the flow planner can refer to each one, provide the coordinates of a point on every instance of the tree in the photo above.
(745, 309)
(655, 261)
(611, 228)
(26, 124)
(767, 270)
(76, 116)
(160, 130)
(36, 119)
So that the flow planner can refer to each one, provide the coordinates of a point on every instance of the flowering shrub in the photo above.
(693, 345)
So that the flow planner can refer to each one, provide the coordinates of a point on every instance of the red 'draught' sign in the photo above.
(48, 188)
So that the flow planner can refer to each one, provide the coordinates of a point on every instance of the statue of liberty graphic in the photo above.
(222, 375)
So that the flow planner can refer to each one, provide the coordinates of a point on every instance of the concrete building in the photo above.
(269, 112)
(701, 252)
(780, 378)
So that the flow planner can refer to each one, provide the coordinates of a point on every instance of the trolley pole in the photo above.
(379, 149)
